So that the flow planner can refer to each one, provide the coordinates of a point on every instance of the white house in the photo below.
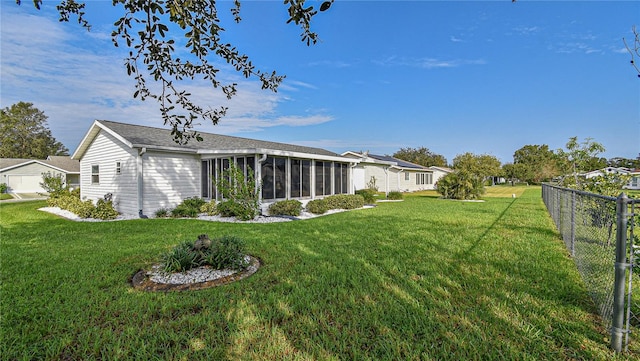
(25, 175)
(634, 182)
(390, 174)
(145, 170)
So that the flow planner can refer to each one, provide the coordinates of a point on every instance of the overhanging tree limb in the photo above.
(143, 29)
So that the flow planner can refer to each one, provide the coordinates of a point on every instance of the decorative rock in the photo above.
(193, 279)
(202, 242)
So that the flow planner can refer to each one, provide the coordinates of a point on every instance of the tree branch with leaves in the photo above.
(144, 28)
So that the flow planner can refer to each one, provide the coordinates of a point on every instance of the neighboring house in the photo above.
(634, 182)
(145, 170)
(390, 174)
(25, 175)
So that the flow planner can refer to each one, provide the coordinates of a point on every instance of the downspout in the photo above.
(386, 181)
(139, 180)
(352, 186)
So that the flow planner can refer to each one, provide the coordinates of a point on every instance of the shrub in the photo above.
(189, 208)
(460, 185)
(104, 210)
(368, 194)
(394, 195)
(225, 252)
(3, 188)
(209, 208)
(344, 201)
(194, 202)
(239, 192)
(83, 209)
(162, 213)
(243, 210)
(181, 258)
(184, 211)
(317, 206)
(54, 184)
(286, 208)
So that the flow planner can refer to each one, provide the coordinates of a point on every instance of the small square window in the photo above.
(95, 174)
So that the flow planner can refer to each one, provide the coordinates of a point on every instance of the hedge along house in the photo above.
(145, 170)
(389, 174)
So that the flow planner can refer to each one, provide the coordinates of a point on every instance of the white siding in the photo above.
(358, 178)
(105, 151)
(436, 176)
(377, 171)
(169, 178)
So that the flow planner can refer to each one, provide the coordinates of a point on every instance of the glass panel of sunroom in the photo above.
(204, 179)
(295, 183)
(306, 178)
(319, 178)
(267, 179)
(281, 177)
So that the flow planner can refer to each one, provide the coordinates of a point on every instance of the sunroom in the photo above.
(282, 176)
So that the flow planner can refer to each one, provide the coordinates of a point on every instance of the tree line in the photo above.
(532, 164)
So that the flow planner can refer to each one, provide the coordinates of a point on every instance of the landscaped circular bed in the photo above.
(193, 279)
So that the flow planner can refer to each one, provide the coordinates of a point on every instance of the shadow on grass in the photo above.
(421, 279)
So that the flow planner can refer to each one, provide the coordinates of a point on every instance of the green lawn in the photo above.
(423, 279)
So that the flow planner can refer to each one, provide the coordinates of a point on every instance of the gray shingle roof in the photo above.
(157, 137)
(399, 162)
(62, 162)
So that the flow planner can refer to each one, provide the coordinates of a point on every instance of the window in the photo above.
(118, 168)
(95, 174)
(424, 178)
(213, 169)
(300, 182)
(407, 176)
(274, 178)
(204, 179)
(340, 178)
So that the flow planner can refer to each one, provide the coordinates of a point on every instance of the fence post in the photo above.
(621, 265)
(573, 223)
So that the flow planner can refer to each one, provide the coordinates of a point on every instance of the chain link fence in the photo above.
(599, 233)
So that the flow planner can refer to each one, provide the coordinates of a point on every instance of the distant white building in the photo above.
(25, 175)
(390, 174)
(634, 182)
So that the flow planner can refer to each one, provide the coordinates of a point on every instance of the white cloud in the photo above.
(76, 77)
(427, 63)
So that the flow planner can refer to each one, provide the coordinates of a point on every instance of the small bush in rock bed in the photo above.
(224, 252)
(368, 194)
(71, 202)
(394, 196)
(317, 206)
(290, 207)
(104, 210)
(162, 213)
(189, 208)
(242, 209)
(345, 201)
(209, 208)
(182, 211)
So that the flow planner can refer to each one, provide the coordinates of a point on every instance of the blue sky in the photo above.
(486, 77)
